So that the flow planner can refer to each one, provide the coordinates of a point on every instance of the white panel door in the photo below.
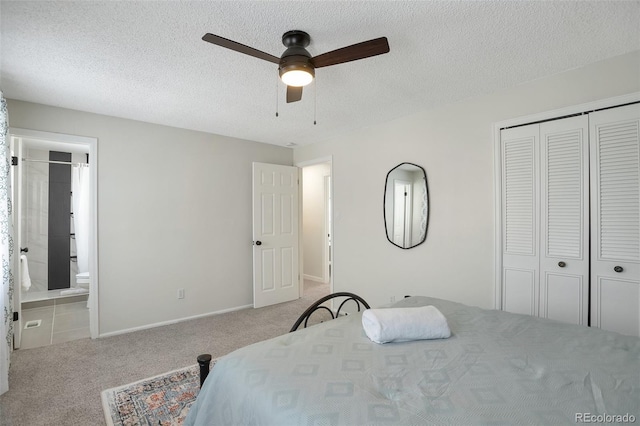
(615, 219)
(276, 277)
(520, 233)
(564, 198)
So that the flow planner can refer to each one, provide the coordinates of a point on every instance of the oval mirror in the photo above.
(406, 205)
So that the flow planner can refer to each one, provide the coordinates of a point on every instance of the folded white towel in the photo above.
(25, 279)
(404, 324)
(73, 291)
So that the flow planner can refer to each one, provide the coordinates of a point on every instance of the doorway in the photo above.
(55, 227)
(317, 229)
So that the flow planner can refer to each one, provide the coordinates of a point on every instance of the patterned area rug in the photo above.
(160, 400)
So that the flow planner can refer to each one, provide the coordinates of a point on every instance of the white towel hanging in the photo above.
(25, 279)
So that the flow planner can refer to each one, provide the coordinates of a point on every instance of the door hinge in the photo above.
(15, 316)
(14, 161)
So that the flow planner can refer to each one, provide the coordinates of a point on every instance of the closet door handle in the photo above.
(618, 268)
(562, 264)
(258, 243)
(24, 250)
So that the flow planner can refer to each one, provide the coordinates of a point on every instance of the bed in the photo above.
(496, 368)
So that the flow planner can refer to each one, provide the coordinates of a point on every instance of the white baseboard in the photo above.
(313, 278)
(160, 324)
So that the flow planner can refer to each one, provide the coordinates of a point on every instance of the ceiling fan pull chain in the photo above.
(277, 87)
(315, 101)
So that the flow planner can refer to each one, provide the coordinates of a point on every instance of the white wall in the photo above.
(313, 220)
(455, 146)
(174, 211)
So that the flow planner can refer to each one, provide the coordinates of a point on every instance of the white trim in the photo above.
(314, 278)
(174, 321)
(547, 115)
(300, 234)
(497, 196)
(574, 109)
(94, 324)
(321, 160)
(300, 165)
(16, 196)
(50, 136)
(326, 228)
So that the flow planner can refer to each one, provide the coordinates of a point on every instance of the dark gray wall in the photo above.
(59, 221)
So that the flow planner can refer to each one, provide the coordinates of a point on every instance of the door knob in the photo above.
(24, 250)
(618, 268)
(562, 264)
(258, 243)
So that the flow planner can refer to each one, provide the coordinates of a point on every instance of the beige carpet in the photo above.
(61, 384)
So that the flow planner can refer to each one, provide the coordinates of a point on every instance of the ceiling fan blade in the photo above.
(366, 49)
(233, 45)
(294, 94)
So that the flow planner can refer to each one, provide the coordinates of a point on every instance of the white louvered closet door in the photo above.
(520, 233)
(564, 200)
(615, 219)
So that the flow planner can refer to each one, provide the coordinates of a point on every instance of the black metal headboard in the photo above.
(317, 306)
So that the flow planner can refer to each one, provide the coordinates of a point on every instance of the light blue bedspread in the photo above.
(496, 368)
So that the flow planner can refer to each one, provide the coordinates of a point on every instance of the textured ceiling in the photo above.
(145, 60)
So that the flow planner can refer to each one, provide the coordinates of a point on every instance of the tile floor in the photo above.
(62, 320)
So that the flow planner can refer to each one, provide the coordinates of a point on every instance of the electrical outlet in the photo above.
(181, 293)
(392, 299)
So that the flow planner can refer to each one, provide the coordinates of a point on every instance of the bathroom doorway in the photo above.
(54, 198)
(317, 229)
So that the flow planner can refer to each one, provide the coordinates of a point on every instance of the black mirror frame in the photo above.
(384, 203)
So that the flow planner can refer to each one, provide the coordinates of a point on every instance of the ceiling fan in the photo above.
(296, 66)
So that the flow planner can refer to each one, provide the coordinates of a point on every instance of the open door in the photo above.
(402, 209)
(276, 275)
(328, 265)
(16, 201)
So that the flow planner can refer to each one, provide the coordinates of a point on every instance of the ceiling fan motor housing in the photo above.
(296, 38)
(296, 62)
(296, 56)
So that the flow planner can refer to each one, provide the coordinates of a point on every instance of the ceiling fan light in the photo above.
(297, 77)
